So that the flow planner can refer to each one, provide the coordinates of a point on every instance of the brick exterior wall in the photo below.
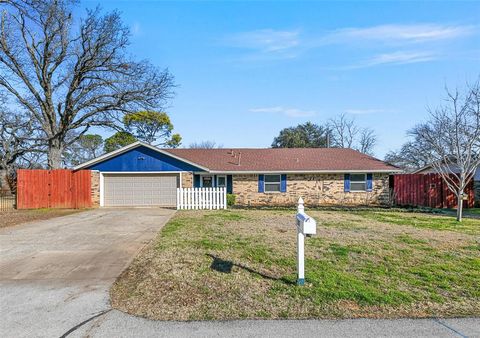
(315, 189)
(95, 192)
(187, 179)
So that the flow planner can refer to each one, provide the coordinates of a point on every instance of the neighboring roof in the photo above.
(431, 169)
(252, 160)
(422, 169)
(283, 160)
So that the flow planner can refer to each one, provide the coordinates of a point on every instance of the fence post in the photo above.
(203, 198)
(198, 199)
(224, 198)
(209, 198)
(195, 198)
(178, 198)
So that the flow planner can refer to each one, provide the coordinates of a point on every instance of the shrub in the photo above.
(231, 199)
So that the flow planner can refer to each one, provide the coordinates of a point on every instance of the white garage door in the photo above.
(140, 190)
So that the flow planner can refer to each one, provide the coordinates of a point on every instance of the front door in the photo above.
(207, 181)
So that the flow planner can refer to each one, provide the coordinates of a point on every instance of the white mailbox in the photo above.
(306, 225)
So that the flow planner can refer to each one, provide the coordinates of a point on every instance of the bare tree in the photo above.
(72, 75)
(411, 156)
(367, 141)
(345, 133)
(453, 137)
(19, 145)
(85, 148)
(205, 145)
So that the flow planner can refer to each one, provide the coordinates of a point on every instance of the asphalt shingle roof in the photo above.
(282, 159)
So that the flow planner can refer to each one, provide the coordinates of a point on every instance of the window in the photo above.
(272, 183)
(221, 181)
(358, 182)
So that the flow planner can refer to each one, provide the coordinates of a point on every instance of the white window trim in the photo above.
(364, 181)
(224, 176)
(265, 184)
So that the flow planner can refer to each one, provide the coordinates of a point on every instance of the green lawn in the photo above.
(241, 264)
(473, 211)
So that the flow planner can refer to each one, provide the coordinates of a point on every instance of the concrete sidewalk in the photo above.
(118, 324)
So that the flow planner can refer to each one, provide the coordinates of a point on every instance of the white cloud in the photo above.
(399, 33)
(271, 44)
(399, 57)
(364, 111)
(266, 40)
(290, 112)
(136, 29)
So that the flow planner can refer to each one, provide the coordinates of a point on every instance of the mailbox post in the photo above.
(305, 226)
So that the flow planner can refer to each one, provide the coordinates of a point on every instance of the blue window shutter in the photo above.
(261, 185)
(346, 183)
(214, 183)
(196, 181)
(283, 183)
(369, 182)
(229, 184)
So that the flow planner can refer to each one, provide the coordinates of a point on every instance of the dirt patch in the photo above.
(15, 217)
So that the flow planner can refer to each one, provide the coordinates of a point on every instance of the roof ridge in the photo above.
(231, 148)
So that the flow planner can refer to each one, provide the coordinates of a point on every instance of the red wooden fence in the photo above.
(427, 190)
(59, 188)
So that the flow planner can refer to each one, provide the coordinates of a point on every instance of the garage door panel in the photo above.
(140, 190)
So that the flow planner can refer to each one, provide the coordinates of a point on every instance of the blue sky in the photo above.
(245, 70)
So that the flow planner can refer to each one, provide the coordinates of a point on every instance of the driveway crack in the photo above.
(101, 313)
(438, 321)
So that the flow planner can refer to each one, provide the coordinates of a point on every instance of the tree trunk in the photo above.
(11, 176)
(459, 206)
(55, 150)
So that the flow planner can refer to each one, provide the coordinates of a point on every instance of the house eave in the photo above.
(230, 172)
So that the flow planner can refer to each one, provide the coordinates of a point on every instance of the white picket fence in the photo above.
(201, 198)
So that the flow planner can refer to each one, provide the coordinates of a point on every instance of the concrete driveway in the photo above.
(56, 273)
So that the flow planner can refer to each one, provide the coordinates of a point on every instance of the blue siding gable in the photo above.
(142, 159)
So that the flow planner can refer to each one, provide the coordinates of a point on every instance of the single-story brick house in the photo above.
(142, 175)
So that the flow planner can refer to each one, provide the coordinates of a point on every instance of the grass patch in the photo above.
(15, 217)
(423, 220)
(241, 264)
(472, 211)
